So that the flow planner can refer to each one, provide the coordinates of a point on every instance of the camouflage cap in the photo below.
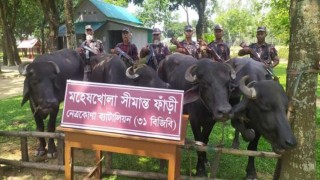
(156, 31)
(218, 27)
(261, 28)
(126, 29)
(188, 28)
(88, 27)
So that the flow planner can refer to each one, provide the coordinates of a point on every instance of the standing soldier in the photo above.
(261, 51)
(155, 52)
(217, 49)
(187, 46)
(88, 48)
(127, 50)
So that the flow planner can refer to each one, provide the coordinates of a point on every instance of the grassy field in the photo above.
(16, 118)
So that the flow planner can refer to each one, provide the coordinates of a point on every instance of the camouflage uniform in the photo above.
(266, 52)
(192, 48)
(221, 48)
(94, 44)
(130, 49)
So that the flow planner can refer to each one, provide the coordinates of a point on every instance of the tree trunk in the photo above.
(201, 6)
(50, 12)
(71, 38)
(300, 163)
(8, 20)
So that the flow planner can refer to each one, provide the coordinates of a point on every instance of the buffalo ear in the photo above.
(191, 95)
(26, 92)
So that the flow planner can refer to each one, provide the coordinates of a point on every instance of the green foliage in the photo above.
(28, 19)
(148, 16)
(283, 52)
(122, 3)
(208, 37)
(174, 28)
(239, 24)
(277, 20)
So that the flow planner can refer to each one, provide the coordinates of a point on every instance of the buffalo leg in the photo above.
(251, 170)
(42, 142)
(201, 135)
(196, 129)
(236, 141)
(52, 150)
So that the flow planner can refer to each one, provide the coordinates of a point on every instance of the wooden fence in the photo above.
(189, 145)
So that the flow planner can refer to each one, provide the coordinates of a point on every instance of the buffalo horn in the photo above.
(188, 75)
(249, 92)
(55, 66)
(131, 76)
(232, 71)
(23, 69)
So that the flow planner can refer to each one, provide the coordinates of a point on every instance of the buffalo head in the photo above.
(144, 75)
(266, 104)
(40, 86)
(211, 85)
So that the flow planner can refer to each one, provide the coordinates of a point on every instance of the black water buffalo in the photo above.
(44, 87)
(207, 94)
(263, 107)
(111, 69)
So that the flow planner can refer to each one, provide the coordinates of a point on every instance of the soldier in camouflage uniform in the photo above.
(155, 52)
(95, 44)
(88, 48)
(261, 51)
(188, 46)
(127, 46)
(217, 49)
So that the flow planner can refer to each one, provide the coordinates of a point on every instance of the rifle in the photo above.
(130, 61)
(215, 55)
(87, 67)
(174, 41)
(257, 56)
(152, 56)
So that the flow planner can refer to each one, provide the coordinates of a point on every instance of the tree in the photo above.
(51, 15)
(237, 27)
(71, 37)
(199, 6)
(300, 163)
(8, 17)
(147, 15)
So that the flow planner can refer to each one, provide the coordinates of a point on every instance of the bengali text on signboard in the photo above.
(148, 112)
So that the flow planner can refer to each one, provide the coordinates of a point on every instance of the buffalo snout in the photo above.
(224, 113)
(291, 143)
(51, 102)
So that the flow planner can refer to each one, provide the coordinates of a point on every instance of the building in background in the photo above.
(107, 21)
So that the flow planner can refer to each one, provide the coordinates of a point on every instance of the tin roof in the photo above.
(29, 43)
(115, 12)
(79, 27)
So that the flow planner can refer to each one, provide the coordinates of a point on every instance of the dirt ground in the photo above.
(11, 86)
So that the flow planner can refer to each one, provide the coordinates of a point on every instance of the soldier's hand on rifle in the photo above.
(181, 50)
(144, 52)
(113, 51)
(95, 50)
(80, 50)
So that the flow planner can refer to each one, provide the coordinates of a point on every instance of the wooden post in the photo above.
(108, 156)
(60, 151)
(24, 149)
